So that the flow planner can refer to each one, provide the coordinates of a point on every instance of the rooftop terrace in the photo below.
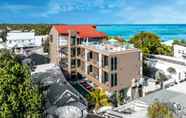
(109, 48)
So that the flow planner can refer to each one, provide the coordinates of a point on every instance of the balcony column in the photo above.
(86, 64)
(100, 67)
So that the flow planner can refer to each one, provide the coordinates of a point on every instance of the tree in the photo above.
(171, 70)
(146, 40)
(19, 98)
(99, 98)
(180, 42)
(150, 43)
(159, 110)
(161, 77)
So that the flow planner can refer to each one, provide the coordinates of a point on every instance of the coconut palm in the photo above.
(99, 98)
(161, 77)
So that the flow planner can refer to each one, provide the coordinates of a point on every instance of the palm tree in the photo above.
(99, 98)
(161, 77)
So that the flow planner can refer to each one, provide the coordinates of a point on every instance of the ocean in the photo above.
(164, 31)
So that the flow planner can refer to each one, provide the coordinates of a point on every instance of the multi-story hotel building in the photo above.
(84, 52)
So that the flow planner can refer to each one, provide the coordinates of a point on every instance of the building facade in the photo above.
(83, 52)
(179, 51)
(114, 68)
(19, 39)
(173, 67)
(64, 40)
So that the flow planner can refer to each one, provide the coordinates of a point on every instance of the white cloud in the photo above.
(158, 13)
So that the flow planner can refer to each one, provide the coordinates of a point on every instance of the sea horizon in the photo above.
(166, 32)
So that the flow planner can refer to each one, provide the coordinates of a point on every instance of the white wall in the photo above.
(165, 64)
(20, 39)
(179, 51)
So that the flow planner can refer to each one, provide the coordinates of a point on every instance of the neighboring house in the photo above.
(179, 51)
(83, 52)
(19, 39)
(173, 96)
(61, 99)
(174, 68)
(40, 39)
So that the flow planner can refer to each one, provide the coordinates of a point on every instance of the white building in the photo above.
(179, 51)
(168, 64)
(19, 39)
(39, 40)
(173, 96)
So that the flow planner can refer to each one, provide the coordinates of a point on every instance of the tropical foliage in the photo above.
(19, 98)
(99, 98)
(40, 29)
(150, 43)
(159, 110)
(161, 77)
(180, 42)
(171, 70)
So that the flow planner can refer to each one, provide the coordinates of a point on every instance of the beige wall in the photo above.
(53, 46)
(128, 69)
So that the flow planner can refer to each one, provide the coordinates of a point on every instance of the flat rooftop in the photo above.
(109, 48)
(169, 59)
(138, 108)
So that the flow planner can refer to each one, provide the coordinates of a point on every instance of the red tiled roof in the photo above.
(84, 31)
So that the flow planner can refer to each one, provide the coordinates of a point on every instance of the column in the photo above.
(100, 67)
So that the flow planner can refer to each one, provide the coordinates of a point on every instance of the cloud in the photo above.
(57, 6)
(156, 12)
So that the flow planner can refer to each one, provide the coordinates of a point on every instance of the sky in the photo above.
(93, 11)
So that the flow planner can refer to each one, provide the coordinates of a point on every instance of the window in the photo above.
(105, 77)
(90, 69)
(105, 60)
(51, 38)
(10, 42)
(114, 80)
(179, 51)
(90, 55)
(78, 63)
(73, 63)
(114, 63)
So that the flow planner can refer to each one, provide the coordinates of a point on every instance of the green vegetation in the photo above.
(40, 29)
(171, 70)
(19, 98)
(99, 98)
(180, 42)
(150, 43)
(159, 110)
(160, 77)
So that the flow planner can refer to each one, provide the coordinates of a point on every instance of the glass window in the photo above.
(115, 63)
(114, 80)
(112, 63)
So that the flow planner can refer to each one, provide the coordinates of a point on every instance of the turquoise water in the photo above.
(165, 32)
